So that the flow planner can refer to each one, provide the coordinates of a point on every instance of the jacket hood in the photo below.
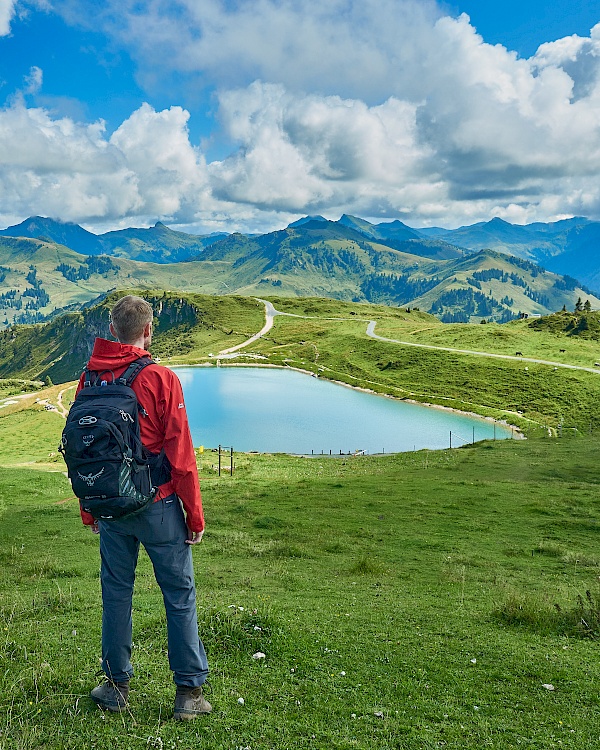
(111, 355)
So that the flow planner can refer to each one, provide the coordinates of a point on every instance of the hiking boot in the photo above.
(190, 703)
(111, 696)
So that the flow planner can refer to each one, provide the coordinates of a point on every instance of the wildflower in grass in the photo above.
(241, 701)
(473, 661)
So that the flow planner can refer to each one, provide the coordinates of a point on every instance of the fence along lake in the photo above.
(272, 410)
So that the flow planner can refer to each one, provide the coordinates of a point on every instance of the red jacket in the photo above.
(159, 392)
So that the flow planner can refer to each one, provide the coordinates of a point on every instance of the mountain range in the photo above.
(487, 271)
(157, 244)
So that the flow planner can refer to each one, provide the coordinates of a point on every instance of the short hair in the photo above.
(129, 317)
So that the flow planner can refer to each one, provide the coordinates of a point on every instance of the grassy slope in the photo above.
(543, 283)
(19, 255)
(487, 386)
(304, 265)
(420, 587)
(340, 350)
(183, 322)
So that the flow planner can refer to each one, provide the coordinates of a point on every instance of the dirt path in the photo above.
(63, 410)
(373, 335)
(271, 312)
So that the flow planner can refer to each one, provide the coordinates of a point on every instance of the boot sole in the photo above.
(188, 715)
(112, 708)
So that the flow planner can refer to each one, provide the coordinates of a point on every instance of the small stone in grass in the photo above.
(258, 655)
(241, 701)
(379, 714)
(548, 686)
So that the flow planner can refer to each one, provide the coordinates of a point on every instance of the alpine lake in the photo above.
(277, 410)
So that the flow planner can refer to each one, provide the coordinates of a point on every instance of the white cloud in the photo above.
(7, 11)
(299, 153)
(33, 82)
(351, 48)
(375, 107)
(146, 170)
(490, 135)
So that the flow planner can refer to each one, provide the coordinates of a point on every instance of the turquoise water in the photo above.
(277, 410)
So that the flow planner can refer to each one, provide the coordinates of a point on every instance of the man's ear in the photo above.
(111, 328)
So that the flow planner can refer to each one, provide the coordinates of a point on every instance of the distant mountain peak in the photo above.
(306, 220)
(62, 232)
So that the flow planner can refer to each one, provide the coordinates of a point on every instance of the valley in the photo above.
(351, 260)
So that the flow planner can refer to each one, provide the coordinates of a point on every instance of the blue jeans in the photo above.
(161, 528)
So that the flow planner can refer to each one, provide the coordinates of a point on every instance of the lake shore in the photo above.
(517, 431)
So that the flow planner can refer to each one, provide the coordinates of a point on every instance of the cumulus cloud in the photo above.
(7, 11)
(312, 152)
(491, 134)
(145, 169)
(352, 48)
(381, 108)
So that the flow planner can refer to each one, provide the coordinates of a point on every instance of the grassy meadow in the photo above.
(331, 341)
(446, 599)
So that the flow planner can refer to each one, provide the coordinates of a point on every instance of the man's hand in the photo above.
(194, 537)
(95, 528)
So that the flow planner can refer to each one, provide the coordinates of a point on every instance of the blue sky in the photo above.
(523, 25)
(218, 115)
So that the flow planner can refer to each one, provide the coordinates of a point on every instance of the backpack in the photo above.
(111, 472)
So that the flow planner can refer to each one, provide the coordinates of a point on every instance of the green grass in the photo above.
(533, 396)
(332, 342)
(535, 338)
(402, 602)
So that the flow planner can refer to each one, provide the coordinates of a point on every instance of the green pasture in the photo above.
(526, 336)
(329, 340)
(444, 599)
(332, 343)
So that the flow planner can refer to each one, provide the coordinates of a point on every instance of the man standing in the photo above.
(166, 533)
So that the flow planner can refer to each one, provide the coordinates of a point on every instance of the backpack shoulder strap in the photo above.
(134, 370)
